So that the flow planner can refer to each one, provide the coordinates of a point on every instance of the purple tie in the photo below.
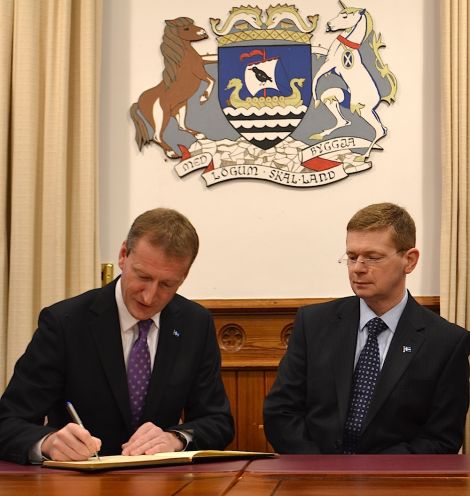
(138, 372)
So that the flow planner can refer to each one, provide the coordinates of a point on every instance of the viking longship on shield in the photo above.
(265, 72)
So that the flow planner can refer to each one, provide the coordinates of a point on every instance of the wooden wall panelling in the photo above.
(250, 386)
(246, 390)
(230, 382)
(269, 378)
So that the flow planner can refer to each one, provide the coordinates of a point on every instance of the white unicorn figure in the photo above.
(345, 60)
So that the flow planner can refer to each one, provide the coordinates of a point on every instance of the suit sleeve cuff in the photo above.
(35, 453)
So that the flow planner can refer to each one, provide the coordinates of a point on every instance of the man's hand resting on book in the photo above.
(72, 442)
(149, 439)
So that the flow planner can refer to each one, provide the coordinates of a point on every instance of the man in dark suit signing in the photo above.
(376, 372)
(139, 363)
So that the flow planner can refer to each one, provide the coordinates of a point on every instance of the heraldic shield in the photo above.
(265, 89)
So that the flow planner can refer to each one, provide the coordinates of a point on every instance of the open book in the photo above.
(178, 458)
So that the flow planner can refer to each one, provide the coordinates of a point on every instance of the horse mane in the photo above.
(172, 48)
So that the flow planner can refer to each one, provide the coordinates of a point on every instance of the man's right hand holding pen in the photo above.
(72, 442)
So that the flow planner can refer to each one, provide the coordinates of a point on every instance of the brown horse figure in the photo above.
(182, 75)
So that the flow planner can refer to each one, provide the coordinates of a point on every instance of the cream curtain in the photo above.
(455, 233)
(49, 90)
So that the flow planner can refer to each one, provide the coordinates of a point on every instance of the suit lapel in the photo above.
(167, 349)
(105, 329)
(345, 326)
(408, 336)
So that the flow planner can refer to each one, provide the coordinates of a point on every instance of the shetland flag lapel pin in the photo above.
(406, 349)
(176, 333)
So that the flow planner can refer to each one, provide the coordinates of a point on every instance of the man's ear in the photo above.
(411, 257)
(122, 254)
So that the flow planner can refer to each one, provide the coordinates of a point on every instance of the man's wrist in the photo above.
(182, 437)
(36, 455)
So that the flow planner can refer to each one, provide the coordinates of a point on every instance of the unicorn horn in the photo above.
(342, 4)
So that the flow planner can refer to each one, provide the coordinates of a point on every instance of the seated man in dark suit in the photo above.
(139, 363)
(376, 372)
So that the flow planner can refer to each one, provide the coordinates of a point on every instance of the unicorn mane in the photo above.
(369, 22)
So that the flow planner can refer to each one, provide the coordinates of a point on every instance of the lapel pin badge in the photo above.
(176, 333)
(406, 349)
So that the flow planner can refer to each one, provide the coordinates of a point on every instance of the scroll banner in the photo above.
(323, 163)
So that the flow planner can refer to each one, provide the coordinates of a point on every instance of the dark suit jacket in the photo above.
(420, 400)
(76, 355)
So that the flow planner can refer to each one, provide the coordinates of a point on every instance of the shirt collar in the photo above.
(126, 320)
(390, 318)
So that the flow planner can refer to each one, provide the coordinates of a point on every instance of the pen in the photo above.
(76, 418)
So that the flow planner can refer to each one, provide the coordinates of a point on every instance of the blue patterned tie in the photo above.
(364, 379)
(138, 372)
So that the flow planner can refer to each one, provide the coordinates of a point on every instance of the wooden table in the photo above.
(293, 475)
(202, 479)
(356, 475)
